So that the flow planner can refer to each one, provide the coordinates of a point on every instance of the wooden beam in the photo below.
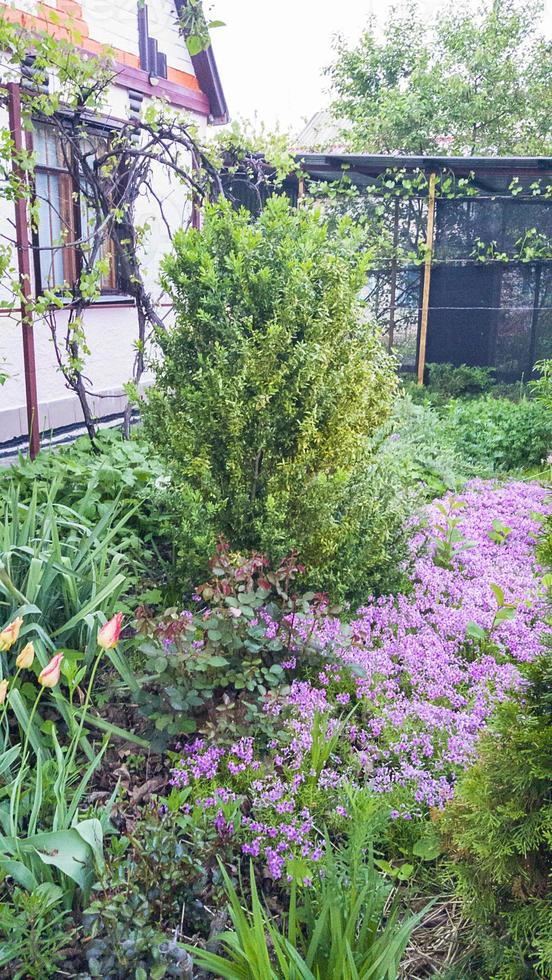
(24, 267)
(427, 279)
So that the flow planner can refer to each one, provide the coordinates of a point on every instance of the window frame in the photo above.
(71, 255)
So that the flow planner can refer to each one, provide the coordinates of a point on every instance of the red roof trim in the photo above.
(185, 98)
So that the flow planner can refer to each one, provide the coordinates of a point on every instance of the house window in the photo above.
(65, 216)
(56, 211)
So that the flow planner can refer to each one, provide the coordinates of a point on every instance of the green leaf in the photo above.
(405, 872)
(19, 872)
(505, 614)
(475, 632)
(427, 848)
(195, 44)
(92, 833)
(65, 850)
(498, 594)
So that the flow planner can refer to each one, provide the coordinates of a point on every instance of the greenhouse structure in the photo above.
(462, 272)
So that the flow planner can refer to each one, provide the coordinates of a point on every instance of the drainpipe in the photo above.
(24, 266)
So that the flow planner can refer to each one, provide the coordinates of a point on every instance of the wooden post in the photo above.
(393, 283)
(427, 279)
(24, 266)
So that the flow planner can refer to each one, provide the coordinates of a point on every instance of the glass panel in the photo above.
(377, 296)
(49, 229)
(514, 321)
(543, 338)
(47, 147)
(459, 224)
(88, 224)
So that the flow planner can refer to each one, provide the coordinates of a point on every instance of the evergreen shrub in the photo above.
(269, 389)
(499, 833)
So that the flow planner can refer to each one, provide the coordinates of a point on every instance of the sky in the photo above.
(271, 55)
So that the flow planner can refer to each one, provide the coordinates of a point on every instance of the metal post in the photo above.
(24, 266)
(427, 279)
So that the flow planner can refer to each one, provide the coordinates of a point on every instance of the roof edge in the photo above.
(381, 161)
(207, 74)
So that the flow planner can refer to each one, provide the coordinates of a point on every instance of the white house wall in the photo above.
(121, 19)
(111, 329)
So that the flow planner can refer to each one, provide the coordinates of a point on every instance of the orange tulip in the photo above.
(49, 677)
(25, 658)
(9, 634)
(3, 691)
(108, 635)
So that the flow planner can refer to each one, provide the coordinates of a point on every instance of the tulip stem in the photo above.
(12, 685)
(16, 796)
(77, 737)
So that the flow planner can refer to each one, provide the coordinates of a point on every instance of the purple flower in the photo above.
(425, 687)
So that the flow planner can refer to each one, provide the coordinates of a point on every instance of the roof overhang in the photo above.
(362, 168)
(207, 74)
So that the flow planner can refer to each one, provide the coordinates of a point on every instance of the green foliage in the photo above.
(63, 575)
(419, 452)
(90, 479)
(446, 440)
(498, 831)
(359, 537)
(343, 929)
(447, 547)
(195, 25)
(497, 434)
(542, 386)
(270, 386)
(60, 567)
(36, 931)
(444, 382)
(156, 881)
(247, 148)
(128, 945)
(43, 838)
(221, 654)
(470, 80)
(452, 382)
(51, 847)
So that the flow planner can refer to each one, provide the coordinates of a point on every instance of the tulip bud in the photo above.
(9, 634)
(108, 635)
(49, 677)
(3, 691)
(25, 658)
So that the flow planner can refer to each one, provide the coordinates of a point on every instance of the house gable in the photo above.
(101, 23)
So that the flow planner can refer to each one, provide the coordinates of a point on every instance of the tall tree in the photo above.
(474, 80)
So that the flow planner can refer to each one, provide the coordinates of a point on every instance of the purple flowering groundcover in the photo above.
(408, 687)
